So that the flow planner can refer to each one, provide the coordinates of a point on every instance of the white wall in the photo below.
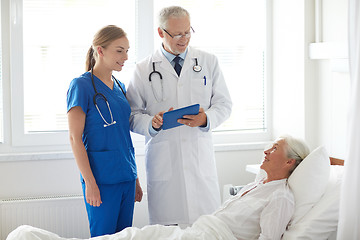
(334, 83)
(34, 178)
(310, 95)
(288, 68)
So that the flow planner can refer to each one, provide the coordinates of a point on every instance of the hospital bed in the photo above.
(316, 185)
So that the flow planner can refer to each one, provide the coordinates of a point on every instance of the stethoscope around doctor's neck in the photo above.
(196, 68)
(97, 94)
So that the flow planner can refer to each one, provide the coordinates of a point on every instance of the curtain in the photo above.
(349, 215)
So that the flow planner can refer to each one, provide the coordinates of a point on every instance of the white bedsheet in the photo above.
(207, 227)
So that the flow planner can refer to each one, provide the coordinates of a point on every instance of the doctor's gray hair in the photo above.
(173, 11)
(102, 38)
(296, 149)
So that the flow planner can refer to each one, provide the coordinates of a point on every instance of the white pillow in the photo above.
(322, 220)
(308, 182)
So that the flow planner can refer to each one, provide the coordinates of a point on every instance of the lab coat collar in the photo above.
(165, 64)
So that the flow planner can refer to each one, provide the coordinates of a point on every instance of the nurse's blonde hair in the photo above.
(102, 38)
(173, 11)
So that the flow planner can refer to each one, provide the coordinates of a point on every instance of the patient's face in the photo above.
(275, 157)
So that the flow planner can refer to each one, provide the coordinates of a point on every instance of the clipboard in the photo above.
(170, 118)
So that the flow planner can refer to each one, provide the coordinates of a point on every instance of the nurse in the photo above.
(98, 116)
(182, 182)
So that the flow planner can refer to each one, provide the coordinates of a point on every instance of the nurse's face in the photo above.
(116, 53)
(176, 26)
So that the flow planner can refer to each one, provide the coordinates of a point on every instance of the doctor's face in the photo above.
(176, 26)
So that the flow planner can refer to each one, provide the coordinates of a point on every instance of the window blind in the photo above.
(56, 37)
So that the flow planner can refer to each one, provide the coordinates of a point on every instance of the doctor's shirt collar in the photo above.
(170, 57)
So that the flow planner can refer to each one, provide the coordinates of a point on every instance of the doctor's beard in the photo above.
(174, 50)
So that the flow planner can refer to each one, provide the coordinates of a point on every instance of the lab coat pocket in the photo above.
(201, 91)
(158, 161)
(206, 157)
(110, 167)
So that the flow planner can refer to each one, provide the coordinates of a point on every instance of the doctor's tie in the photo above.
(177, 66)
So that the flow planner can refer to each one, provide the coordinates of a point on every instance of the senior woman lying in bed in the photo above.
(261, 210)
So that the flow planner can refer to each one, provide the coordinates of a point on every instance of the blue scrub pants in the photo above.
(116, 211)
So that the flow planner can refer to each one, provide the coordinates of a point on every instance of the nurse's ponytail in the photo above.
(90, 60)
(102, 38)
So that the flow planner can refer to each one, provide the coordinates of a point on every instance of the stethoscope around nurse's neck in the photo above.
(97, 94)
(196, 68)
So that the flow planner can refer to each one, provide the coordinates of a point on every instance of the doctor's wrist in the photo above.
(157, 129)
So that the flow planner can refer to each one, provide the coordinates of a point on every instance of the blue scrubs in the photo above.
(110, 152)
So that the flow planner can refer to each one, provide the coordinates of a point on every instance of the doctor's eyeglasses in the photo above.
(177, 37)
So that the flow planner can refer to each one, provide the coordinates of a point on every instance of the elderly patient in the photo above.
(261, 210)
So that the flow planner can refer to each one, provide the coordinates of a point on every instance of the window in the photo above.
(235, 31)
(56, 36)
(49, 41)
(53, 59)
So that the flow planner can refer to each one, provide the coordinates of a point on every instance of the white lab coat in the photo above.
(182, 182)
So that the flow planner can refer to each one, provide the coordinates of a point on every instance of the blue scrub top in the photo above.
(110, 149)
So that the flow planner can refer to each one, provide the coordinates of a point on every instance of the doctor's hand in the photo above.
(157, 120)
(198, 120)
(92, 194)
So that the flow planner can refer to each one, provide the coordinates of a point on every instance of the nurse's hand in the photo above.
(199, 120)
(157, 120)
(138, 191)
(92, 194)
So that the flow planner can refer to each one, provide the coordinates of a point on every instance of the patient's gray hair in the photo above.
(296, 149)
(173, 11)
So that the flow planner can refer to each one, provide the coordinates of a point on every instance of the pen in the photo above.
(205, 80)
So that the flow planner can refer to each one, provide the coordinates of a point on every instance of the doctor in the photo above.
(182, 182)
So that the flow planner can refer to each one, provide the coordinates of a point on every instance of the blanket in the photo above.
(207, 227)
